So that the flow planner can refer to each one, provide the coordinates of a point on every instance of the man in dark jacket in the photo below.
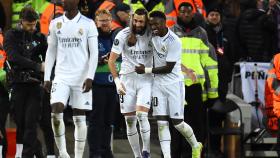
(26, 49)
(215, 32)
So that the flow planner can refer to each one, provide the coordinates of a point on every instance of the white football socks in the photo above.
(80, 135)
(144, 124)
(187, 132)
(59, 133)
(164, 138)
(132, 134)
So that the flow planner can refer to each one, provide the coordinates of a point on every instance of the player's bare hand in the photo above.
(87, 85)
(191, 74)
(140, 69)
(47, 86)
(106, 58)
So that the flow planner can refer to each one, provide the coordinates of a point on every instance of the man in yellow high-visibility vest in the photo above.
(196, 55)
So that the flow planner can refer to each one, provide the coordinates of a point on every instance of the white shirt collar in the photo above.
(75, 19)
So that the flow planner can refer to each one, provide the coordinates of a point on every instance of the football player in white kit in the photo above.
(133, 44)
(70, 38)
(168, 87)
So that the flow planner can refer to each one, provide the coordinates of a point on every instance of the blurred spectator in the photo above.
(104, 93)
(208, 3)
(2, 17)
(216, 37)
(121, 16)
(17, 6)
(172, 9)
(149, 5)
(254, 33)
(195, 56)
(272, 87)
(274, 13)
(89, 7)
(231, 12)
(215, 32)
(48, 11)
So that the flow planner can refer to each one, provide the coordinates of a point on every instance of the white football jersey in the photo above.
(71, 39)
(141, 53)
(167, 49)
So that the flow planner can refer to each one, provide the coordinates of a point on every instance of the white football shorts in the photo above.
(168, 100)
(138, 91)
(61, 92)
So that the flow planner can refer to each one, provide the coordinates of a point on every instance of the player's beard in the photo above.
(140, 32)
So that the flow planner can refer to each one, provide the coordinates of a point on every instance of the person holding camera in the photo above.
(26, 48)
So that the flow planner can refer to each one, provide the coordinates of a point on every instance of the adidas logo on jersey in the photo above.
(176, 114)
(58, 32)
(87, 103)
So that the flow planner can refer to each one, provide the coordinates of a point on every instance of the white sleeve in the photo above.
(93, 50)
(51, 52)
(118, 44)
(174, 51)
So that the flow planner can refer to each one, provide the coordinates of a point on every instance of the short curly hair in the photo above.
(28, 14)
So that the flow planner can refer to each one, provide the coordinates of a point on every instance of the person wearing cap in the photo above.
(121, 16)
(220, 43)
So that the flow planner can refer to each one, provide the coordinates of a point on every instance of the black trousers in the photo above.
(26, 102)
(216, 119)
(45, 123)
(101, 119)
(195, 116)
(4, 110)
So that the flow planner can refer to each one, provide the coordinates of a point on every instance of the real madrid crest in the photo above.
(59, 25)
(81, 32)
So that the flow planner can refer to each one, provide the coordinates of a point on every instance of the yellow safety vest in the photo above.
(139, 4)
(195, 55)
(16, 9)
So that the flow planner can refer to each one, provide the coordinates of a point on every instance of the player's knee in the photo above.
(57, 118)
(141, 115)
(177, 121)
(162, 125)
(57, 107)
(79, 121)
(131, 124)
